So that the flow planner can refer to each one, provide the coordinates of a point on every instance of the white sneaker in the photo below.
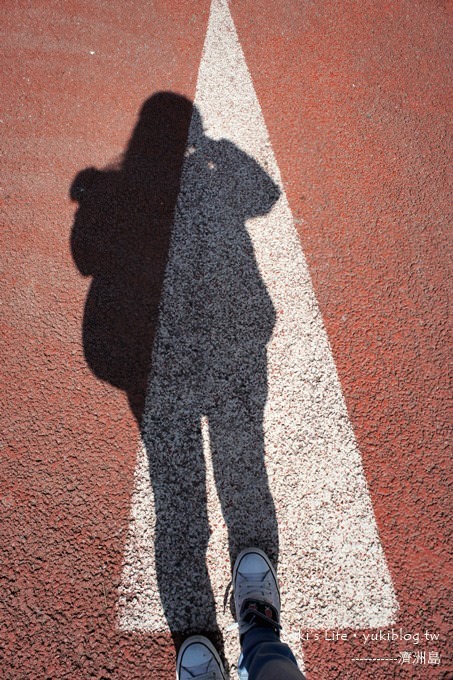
(198, 658)
(256, 593)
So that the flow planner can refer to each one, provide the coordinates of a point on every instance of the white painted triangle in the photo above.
(332, 569)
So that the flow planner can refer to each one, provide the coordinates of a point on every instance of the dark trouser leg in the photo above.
(265, 657)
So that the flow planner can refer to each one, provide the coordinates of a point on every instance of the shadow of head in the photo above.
(159, 136)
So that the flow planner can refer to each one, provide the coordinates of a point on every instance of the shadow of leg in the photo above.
(237, 442)
(182, 532)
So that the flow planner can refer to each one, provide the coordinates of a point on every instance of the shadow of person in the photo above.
(120, 238)
(209, 368)
(207, 380)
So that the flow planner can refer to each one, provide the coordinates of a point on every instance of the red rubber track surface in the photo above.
(355, 96)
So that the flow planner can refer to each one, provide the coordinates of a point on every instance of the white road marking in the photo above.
(332, 569)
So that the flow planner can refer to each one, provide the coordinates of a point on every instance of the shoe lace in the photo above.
(203, 672)
(257, 587)
(260, 588)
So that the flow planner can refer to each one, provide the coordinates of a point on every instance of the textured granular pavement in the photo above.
(226, 257)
